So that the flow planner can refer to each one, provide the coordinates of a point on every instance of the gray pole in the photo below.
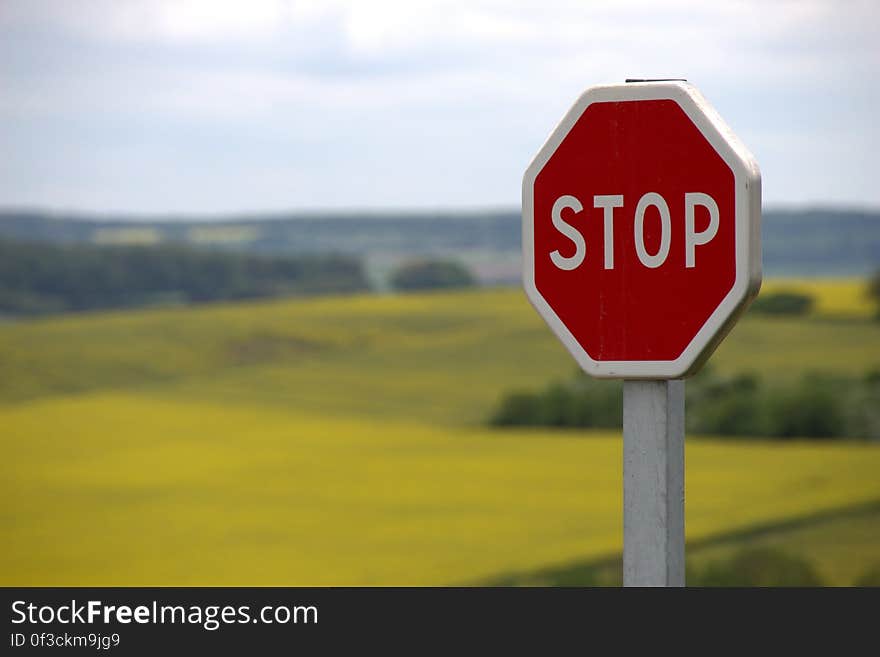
(653, 483)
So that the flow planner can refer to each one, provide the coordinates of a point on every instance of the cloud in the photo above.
(477, 85)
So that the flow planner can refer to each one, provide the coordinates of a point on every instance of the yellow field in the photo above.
(117, 236)
(117, 489)
(341, 441)
(223, 234)
(834, 297)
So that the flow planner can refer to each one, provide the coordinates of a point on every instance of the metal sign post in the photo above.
(653, 483)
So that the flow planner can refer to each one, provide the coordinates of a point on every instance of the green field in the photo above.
(341, 441)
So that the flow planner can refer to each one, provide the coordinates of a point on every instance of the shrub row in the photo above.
(817, 406)
(783, 303)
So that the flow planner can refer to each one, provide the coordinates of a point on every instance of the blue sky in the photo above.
(264, 105)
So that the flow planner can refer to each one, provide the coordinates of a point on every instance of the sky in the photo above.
(213, 106)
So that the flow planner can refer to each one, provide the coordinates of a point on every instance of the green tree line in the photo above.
(43, 278)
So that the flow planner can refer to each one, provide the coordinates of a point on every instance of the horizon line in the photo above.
(332, 212)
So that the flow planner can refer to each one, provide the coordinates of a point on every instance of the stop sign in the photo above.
(641, 230)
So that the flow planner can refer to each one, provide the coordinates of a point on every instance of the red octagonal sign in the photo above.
(641, 230)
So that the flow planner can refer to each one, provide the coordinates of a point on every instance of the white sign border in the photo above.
(747, 200)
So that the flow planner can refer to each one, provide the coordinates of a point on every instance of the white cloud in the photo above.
(490, 74)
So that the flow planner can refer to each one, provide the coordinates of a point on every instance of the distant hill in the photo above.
(821, 242)
(811, 242)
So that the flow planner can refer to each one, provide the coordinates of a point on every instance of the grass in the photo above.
(341, 441)
(441, 358)
(841, 544)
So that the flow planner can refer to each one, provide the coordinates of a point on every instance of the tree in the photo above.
(874, 290)
(431, 274)
(783, 303)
